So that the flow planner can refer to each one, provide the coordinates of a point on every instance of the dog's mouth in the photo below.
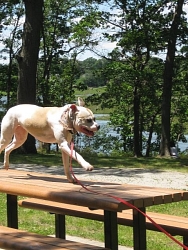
(86, 131)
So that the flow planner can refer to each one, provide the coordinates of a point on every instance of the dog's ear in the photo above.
(72, 110)
(73, 107)
(67, 117)
(81, 102)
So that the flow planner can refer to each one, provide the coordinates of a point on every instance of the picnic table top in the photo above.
(98, 195)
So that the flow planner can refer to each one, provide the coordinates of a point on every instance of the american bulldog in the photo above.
(49, 125)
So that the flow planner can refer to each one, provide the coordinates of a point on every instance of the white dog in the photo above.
(49, 125)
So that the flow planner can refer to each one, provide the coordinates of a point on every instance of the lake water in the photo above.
(182, 146)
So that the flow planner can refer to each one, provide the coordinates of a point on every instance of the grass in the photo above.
(118, 161)
(43, 223)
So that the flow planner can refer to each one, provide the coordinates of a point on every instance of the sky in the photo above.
(104, 47)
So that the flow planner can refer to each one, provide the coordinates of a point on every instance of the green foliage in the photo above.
(132, 76)
(10, 29)
(8, 85)
(179, 99)
(92, 75)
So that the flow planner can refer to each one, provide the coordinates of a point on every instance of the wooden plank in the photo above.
(43, 179)
(68, 197)
(57, 188)
(61, 208)
(139, 199)
(77, 197)
(25, 240)
(124, 218)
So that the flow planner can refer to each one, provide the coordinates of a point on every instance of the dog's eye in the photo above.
(89, 120)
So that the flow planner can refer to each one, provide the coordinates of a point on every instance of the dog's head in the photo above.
(83, 119)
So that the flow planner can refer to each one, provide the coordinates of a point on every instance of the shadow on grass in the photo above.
(48, 160)
(155, 163)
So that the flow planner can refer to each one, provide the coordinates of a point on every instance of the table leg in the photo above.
(60, 226)
(185, 241)
(139, 230)
(12, 211)
(111, 230)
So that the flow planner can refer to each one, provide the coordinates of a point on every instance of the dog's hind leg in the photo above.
(20, 136)
(8, 126)
(4, 142)
(6, 137)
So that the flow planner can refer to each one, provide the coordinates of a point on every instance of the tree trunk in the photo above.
(27, 59)
(168, 80)
(150, 136)
(137, 152)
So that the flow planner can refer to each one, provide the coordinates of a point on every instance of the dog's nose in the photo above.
(98, 127)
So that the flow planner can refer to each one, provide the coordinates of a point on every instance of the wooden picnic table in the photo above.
(56, 188)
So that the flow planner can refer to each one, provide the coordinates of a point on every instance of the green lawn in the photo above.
(120, 161)
(42, 222)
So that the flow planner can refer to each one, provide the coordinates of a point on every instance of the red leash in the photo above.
(126, 203)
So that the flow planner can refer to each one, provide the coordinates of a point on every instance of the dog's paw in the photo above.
(89, 168)
(71, 180)
(6, 167)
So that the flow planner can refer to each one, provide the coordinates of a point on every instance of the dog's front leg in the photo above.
(65, 159)
(64, 146)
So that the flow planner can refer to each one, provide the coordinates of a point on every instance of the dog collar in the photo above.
(67, 122)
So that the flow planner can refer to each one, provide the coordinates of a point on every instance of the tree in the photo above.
(138, 29)
(179, 100)
(58, 44)
(141, 29)
(10, 26)
(55, 34)
(168, 80)
(150, 100)
(92, 73)
(27, 59)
